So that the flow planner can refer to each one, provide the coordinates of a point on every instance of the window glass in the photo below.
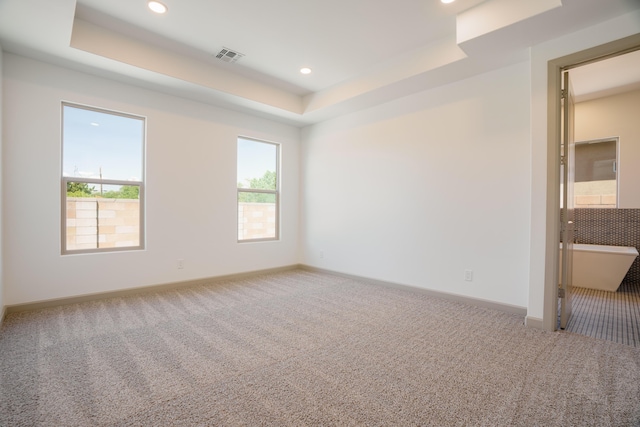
(596, 184)
(258, 190)
(102, 145)
(257, 164)
(102, 185)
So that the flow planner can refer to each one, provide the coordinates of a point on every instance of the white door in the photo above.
(567, 154)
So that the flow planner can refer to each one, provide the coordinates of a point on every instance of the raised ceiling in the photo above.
(362, 52)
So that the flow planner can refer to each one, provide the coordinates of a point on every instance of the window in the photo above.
(596, 184)
(102, 180)
(258, 190)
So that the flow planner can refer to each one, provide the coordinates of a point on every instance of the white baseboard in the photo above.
(508, 308)
(38, 305)
(533, 322)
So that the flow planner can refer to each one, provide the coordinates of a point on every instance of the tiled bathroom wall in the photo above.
(617, 227)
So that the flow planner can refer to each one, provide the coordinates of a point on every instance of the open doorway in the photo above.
(605, 199)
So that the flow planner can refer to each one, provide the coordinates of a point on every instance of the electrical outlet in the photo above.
(180, 264)
(468, 275)
(321, 254)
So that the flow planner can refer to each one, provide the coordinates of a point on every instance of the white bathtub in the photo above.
(599, 266)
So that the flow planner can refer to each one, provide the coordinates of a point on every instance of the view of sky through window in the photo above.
(95, 141)
(255, 159)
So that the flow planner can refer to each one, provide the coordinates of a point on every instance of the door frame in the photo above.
(555, 68)
(567, 212)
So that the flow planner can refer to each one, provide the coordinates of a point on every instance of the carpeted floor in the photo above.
(302, 348)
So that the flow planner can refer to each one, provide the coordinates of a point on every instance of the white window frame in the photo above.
(275, 192)
(96, 181)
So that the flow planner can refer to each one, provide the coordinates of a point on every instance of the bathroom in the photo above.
(607, 183)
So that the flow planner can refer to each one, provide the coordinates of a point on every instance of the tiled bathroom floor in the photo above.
(613, 316)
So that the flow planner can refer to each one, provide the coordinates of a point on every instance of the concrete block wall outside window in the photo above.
(104, 223)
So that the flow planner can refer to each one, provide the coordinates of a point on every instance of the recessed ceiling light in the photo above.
(447, 1)
(157, 7)
(305, 70)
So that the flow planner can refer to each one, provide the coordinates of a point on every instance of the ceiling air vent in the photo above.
(228, 55)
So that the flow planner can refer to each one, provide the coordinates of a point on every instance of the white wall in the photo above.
(190, 188)
(616, 116)
(418, 190)
(544, 158)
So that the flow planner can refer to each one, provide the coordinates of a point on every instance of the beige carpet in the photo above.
(301, 348)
